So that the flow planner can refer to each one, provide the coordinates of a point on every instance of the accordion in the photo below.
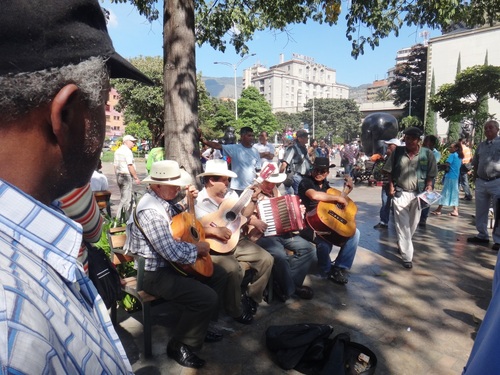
(281, 214)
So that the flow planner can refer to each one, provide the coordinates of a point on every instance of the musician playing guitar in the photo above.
(150, 236)
(216, 179)
(312, 190)
(289, 271)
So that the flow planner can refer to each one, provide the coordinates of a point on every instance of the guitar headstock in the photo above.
(266, 172)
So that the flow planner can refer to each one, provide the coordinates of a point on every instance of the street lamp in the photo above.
(235, 68)
(409, 106)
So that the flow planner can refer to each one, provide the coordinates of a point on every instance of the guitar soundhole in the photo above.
(194, 234)
(230, 216)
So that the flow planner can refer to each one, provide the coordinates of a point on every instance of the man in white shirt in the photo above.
(266, 150)
(125, 172)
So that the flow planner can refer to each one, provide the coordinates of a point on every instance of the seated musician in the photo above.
(216, 179)
(150, 236)
(289, 271)
(312, 190)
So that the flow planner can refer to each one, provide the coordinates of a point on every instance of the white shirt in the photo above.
(99, 181)
(268, 147)
(123, 158)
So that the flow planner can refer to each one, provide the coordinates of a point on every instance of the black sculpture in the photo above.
(377, 128)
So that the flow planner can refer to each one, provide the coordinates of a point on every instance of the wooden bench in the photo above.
(103, 199)
(132, 285)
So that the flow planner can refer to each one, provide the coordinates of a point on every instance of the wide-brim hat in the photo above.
(43, 34)
(393, 141)
(275, 177)
(168, 172)
(217, 167)
(322, 162)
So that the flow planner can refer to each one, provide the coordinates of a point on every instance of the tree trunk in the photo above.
(181, 104)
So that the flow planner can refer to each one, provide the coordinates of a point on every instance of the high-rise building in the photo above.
(114, 119)
(289, 85)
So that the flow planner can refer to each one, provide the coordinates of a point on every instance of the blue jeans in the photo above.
(385, 210)
(296, 181)
(289, 271)
(345, 257)
(463, 181)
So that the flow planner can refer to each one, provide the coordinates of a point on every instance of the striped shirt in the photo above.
(51, 318)
(297, 159)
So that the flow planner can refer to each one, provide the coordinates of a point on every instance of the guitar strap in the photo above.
(172, 264)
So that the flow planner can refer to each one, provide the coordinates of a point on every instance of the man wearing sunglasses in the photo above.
(312, 190)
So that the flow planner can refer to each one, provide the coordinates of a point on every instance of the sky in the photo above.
(134, 36)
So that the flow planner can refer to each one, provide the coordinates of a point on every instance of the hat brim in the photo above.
(277, 179)
(121, 68)
(325, 166)
(221, 174)
(184, 180)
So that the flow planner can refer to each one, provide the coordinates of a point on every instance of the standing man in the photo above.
(463, 178)
(348, 156)
(289, 270)
(55, 66)
(312, 190)
(149, 234)
(486, 163)
(264, 148)
(245, 160)
(411, 169)
(385, 210)
(430, 141)
(125, 173)
(296, 160)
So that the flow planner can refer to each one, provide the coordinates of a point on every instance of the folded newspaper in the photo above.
(427, 198)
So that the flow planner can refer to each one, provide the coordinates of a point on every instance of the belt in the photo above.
(490, 179)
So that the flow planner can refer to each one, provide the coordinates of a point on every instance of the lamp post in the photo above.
(235, 69)
(409, 105)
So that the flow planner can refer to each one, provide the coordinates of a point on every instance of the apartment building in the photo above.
(289, 85)
(115, 127)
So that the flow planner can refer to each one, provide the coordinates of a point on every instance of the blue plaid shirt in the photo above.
(155, 217)
(51, 318)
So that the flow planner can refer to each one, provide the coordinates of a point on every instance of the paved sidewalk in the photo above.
(419, 321)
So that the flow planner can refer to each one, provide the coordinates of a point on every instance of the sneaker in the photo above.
(338, 275)
(476, 239)
(381, 225)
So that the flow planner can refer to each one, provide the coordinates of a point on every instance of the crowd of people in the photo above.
(47, 212)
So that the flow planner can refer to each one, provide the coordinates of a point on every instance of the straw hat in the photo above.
(217, 167)
(275, 177)
(167, 172)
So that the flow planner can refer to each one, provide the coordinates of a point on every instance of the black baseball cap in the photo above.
(43, 34)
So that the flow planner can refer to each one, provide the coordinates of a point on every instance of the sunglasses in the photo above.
(322, 170)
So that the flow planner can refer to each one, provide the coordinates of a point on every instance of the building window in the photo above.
(108, 117)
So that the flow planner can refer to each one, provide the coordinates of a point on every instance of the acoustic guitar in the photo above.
(229, 215)
(188, 229)
(331, 221)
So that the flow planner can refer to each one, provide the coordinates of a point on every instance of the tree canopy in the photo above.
(254, 111)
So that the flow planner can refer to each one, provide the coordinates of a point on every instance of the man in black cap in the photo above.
(296, 160)
(411, 169)
(312, 190)
(56, 58)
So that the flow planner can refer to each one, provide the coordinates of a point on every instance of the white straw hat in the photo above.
(168, 172)
(217, 167)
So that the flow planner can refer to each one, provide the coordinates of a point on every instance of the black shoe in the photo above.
(477, 240)
(213, 336)
(338, 275)
(249, 304)
(380, 226)
(407, 265)
(245, 318)
(304, 292)
(183, 355)
(422, 224)
(496, 247)
(278, 292)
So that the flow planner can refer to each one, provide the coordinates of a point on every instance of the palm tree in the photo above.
(384, 94)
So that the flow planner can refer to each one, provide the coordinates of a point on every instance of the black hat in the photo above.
(302, 133)
(321, 162)
(413, 132)
(43, 34)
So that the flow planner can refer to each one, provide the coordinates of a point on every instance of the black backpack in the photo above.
(104, 275)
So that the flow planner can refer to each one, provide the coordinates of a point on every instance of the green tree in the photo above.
(454, 127)
(384, 94)
(139, 130)
(289, 120)
(409, 83)
(254, 111)
(333, 118)
(430, 118)
(467, 94)
(219, 22)
(140, 103)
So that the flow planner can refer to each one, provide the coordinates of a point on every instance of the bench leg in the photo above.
(146, 322)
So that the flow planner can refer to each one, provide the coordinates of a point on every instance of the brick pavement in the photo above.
(419, 321)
